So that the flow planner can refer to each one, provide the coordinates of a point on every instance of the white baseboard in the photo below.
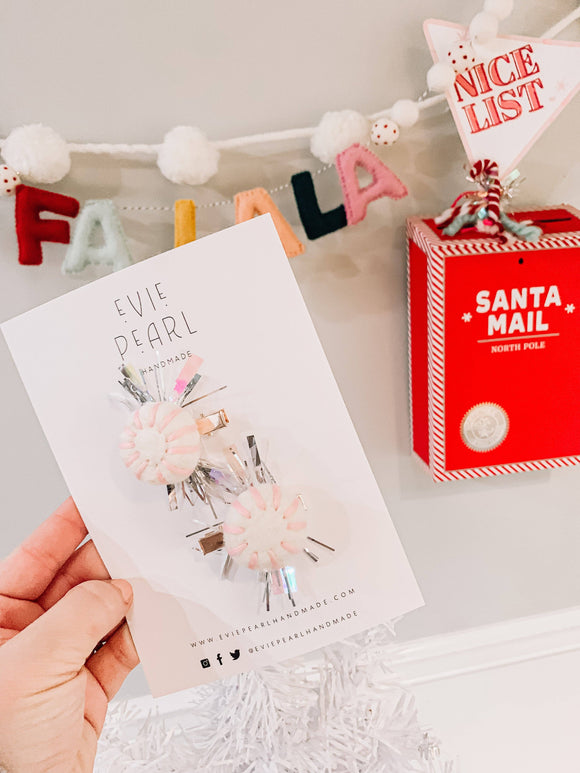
(488, 647)
(503, 697)
(447, 656)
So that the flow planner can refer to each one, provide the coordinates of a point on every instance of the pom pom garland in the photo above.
(37, 153)
(440, 77)
(336, 132)
(484, 27)
(405, 112)
(8, 181)
(499, 8)
(187, 157)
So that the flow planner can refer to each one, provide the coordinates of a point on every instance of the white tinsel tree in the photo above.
(343, 711)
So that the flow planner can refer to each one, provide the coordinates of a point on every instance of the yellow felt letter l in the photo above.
(184, 222)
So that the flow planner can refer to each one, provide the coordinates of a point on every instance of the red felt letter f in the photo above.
(32, 230)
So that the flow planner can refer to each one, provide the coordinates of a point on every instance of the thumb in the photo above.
(61, 640)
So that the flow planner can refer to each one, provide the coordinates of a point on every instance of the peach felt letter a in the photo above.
(257, 202)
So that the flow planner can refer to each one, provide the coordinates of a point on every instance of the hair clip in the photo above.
(162, 443)
(264, 530)
(259, 525)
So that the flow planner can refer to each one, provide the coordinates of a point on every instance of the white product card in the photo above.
(231, 300)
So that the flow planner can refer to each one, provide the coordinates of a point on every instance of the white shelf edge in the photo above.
(487, 647)
(446, 656)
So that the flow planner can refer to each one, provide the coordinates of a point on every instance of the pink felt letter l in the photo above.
(356, 199)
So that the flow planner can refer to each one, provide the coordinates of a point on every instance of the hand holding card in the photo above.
(57, 603)
(262, 375)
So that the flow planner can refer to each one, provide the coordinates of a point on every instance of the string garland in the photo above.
(218, 203)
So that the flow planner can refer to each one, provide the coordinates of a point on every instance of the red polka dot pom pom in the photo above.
(461, 56)
(385, 132)
(8, 181)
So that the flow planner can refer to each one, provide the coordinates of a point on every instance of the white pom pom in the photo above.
(336, 132)
(483, 27)
(500, 8)
(8, 181)
(405, 112)
(440, 77)
(187, 156)
(38, 153)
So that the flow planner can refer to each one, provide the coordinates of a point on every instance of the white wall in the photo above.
(483, 551)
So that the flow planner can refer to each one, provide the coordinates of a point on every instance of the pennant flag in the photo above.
(504, 102)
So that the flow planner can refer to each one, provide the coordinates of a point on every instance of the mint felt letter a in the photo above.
(82, 250)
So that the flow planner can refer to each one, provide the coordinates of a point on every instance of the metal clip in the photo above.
(236, 464)
(208, 424)
(263, 474)
(172, 496)
(189, 388)
(214, 540)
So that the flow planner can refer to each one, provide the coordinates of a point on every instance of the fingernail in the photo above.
(125, 589)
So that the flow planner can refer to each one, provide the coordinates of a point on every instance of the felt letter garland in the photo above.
(384, 183)
(257, 202)
(315, 222)
(184, 222)
(99, 213)
(32, 230)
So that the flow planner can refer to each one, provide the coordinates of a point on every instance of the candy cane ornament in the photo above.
(487, 173)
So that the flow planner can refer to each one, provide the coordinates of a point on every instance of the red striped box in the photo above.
(494, 339)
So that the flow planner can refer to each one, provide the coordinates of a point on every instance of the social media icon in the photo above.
(220, 661)
(205, 663)
(235, 654)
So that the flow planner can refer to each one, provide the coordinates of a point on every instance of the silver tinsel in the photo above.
(343, 710)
